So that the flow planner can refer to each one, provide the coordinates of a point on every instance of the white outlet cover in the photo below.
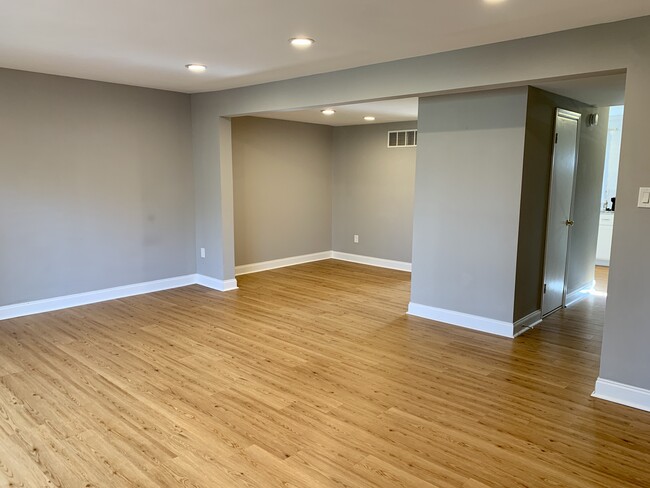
(644, 197)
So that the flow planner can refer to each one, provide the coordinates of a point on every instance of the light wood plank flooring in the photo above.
(309, 376)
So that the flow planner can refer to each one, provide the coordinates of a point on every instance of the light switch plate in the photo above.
(644, 197)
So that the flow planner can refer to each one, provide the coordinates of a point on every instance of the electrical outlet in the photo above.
(356, 238)
(203, 252)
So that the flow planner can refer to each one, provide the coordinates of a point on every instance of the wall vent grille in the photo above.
(403, 138)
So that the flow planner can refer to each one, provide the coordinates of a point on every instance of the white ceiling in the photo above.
(400, 110)
(244, 42)
(600, 91)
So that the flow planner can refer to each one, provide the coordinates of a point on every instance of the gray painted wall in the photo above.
(466, 210)
(213, 197)
(596, 49)
(96, 186)
(626, 336)
(148, 116)
(538, 154)
(282, 189)
(372, 192)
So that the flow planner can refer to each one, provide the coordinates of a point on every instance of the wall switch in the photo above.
(356, 238)
(644, 197)
(203, 252)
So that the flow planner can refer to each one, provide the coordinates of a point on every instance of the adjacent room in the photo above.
(270, 245)
(339, 182)
(319, 184)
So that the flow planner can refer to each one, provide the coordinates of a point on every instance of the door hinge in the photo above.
(544, 288)
(556, 135)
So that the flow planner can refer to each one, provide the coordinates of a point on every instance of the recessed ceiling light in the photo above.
(328, 111)
(494, 1)
(301, 42)
(369, 118)
(196, 68)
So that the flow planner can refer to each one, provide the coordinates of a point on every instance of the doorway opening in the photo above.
(561, 208)
(610, 180)
(325, 182)
(580, 207)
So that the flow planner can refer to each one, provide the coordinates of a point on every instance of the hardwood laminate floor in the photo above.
(308, 376)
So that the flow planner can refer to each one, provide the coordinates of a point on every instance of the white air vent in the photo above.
(403, 138)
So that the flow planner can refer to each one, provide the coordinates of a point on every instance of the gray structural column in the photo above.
(466, 206)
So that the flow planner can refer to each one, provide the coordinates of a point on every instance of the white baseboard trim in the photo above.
(281, 263)
(474, 322)
(319, 256)
(86, 298)
(579, 294)
(627, 395)
(215, 284)
(528, 322)
(59, 303)
(602, 262)
(379, 262)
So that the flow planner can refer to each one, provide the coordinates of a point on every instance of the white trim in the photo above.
(580, 293)
(628, 395)
(602, 262)
(319, 256)
(215, 284)
(528, 322)
(58, 303)
(370, 261)
(474, 322)
(281, 263)
(86, 298)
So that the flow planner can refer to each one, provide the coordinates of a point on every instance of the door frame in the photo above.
(567, 114)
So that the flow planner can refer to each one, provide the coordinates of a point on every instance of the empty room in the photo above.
(324, 244)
